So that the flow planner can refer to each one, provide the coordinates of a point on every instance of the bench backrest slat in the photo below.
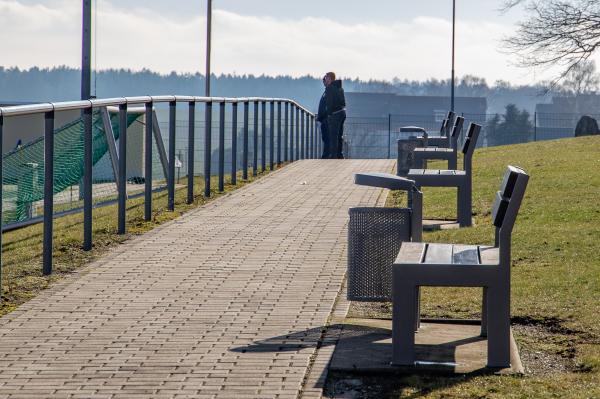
(469, 145)
(508, 201)
(451, 115)
(458, 126)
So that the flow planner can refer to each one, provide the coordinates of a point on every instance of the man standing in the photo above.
(322, 119)
(335, 105)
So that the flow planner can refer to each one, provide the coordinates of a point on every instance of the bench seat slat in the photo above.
(465, 255)
(438, 254)
(411, 252)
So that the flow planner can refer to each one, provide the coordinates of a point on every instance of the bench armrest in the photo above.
(384, 180)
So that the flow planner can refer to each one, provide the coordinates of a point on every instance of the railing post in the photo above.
(191, 149)
(1, 196)
(302, 135)
(207, 147)
(87, 179)
(221, 146)
(148, 163)
(535, 126)
(234, 131)
(272, 135)
(48, 190)
(122, 200)
(255, 144)
(245, 152)
(263, 139)
(286, 126)
(291, 148)
(314, 138)
(278, 133)
(298, 142)
(171, 178)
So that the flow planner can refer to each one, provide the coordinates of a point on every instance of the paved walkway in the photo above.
(223, 302)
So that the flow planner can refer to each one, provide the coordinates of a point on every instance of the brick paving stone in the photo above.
(225, 301)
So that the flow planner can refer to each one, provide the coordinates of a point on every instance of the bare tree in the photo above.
(557, 33)
(582, 79)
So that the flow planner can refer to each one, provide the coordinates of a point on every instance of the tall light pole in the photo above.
(86, 51)
(453, 37)
(208, 44)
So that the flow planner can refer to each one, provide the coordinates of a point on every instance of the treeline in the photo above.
(62, 83)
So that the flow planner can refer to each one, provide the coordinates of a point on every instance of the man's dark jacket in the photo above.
(334, 97)
(322, 114)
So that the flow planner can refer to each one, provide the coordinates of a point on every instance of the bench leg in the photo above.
(498, 345)
(404, 302)
(464, 205)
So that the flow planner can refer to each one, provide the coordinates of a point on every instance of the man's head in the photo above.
(329, 78)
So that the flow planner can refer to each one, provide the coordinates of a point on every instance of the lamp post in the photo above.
(453, 37)
(208, 44)
(86, 51)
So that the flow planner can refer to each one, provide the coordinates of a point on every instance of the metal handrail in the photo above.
(296, 139)
(39, 108)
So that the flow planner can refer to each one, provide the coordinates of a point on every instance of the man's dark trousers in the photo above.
(325, 137)
(335, 123)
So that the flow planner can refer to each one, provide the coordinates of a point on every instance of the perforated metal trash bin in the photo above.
(374, 239)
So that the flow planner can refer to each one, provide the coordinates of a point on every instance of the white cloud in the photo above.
(141, 38)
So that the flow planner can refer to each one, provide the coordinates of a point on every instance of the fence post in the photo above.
(234, 131)
(171, 178)
(122, 200)
(191, 149)
(389, 136)
(255, 144)
(148, 163)
(272, 135)
(278, 133)
(535, 126)
(48, 190)
(263, 138)
(221, 146)
(87, 179)
(207, 147)
(245, 152)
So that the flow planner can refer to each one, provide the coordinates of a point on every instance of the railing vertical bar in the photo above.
(207, 147)
(48, 190)
(298, 143)
(148, 163)
(255, 144)
(122, 200)
(1, 196)
(245, 152)
(278, 133)
(263, 138)
(272, 135)
(172, 138)
(286, 127)
(221, 146)
(313, 142)
(87, 178)
(302, 136)
(191, 149)
(234, 133)
(292, 130)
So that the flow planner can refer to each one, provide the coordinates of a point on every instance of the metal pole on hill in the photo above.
(208, 45)
(86, 93)
(453, 39)
(86, 51)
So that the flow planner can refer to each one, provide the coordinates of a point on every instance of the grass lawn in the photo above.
(555, 277)
(22, 277)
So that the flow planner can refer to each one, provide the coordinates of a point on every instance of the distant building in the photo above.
(374, 119)
(559, 118)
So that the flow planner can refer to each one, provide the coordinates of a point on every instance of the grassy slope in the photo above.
(556, 272)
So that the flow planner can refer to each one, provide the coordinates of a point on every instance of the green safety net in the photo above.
(23, 168)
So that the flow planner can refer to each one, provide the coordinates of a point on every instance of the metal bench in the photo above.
(443, 140)
(375, 236)
(461, 179)
(454, 265)
(423, 154)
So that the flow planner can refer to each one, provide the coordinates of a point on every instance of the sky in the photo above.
(377, 39)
